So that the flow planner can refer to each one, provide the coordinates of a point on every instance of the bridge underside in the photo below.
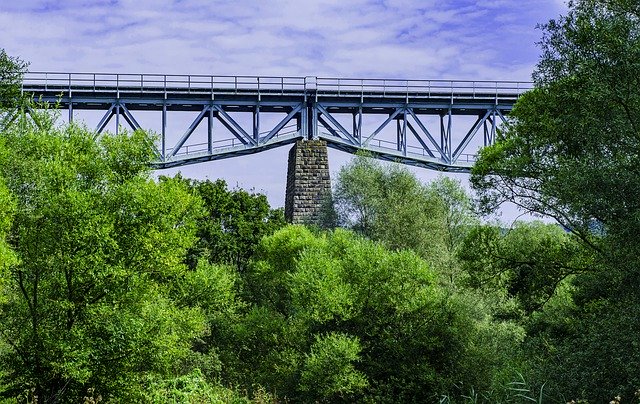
(440, 129)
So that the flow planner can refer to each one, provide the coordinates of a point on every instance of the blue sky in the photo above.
(428, 39)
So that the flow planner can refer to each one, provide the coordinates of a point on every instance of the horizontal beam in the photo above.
(232, 102)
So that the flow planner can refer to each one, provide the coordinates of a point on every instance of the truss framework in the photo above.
(305, 108)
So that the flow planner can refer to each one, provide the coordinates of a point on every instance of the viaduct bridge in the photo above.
(408, 121)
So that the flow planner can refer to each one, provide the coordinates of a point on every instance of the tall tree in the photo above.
(234, 223)
(571, 149)
(12, 70)
(572, 152)
(388, 203)
(98, 243)
(526, 263)
(336, 317)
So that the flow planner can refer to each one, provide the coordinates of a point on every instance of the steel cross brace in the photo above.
(217, 111)
(117, 108)
(443, 150)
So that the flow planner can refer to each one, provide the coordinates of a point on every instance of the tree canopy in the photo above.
(12, 70)
(570, 152)
(96, 244)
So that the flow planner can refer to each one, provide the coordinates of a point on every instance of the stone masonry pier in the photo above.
(308, 182)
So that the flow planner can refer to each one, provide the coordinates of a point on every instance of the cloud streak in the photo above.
(420, 39)
(394, 38)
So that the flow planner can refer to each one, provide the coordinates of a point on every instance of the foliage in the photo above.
(329, 368)
(571, 153)
(527, 262)
(12, 70)
(7, 256)
(387, 203)
(192, 388)
(97, 245)
(363, 322)
(459, 216)
(234, 223)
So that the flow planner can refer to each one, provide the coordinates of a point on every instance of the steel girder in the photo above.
(304, 109)
(441, 154)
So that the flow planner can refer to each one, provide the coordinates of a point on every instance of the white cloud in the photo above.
(425, 39)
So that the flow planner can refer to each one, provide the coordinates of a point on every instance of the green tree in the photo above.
(388, 203)
(336, 317)
(234, 223)
(459, 216)
(7, 256)
(98, 243)
(527, 262)
(571, 152)
(12, 70)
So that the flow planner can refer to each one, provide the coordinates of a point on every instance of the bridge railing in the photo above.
(421, 88)
(163, 83)
(320, 86)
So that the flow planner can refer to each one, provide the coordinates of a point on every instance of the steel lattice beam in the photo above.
(311, 108)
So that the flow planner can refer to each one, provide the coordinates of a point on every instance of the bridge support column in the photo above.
(308, 182)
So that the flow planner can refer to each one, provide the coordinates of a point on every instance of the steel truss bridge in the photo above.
(349, 114)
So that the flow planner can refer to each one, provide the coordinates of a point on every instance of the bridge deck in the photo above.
(313, 107)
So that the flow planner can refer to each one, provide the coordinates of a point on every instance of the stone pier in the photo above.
(308, 182)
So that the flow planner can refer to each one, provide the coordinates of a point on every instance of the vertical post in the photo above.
(398, 135)
(404, 132)
(164, 130)
(355, 125)
(117, 118)
(313, 124)
(303, 123)
(70, 111)
(449, 137)
(256, 123)
(360, 125)
(493, 126)
(443, 140)
(210, 131)
(486, 133)
(445, 137)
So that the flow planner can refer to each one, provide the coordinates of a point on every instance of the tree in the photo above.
(571, 152)
(12, 70)
(527, 262)
(234, 223)
(339, 318)
(98, 243)
(389, 204)
(7, 256)
(459, 216)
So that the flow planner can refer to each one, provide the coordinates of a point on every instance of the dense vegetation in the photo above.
(117, 287)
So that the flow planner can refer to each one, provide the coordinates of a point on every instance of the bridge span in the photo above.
(437, 124)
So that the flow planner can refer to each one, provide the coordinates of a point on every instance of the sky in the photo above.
(405, 39)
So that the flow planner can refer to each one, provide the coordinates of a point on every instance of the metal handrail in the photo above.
(335, 86)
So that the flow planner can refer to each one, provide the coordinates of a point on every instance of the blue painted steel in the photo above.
(307, 108)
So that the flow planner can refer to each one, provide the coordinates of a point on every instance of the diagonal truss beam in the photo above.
(281, 124)
(129, 117)
(426, 132)
(104, 121)
(417, 136)
(233, 126)
(467, 138)
(341, 129)
(189, 131)
(384, 124)
(327, 126)
(217, 111)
